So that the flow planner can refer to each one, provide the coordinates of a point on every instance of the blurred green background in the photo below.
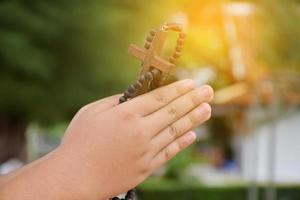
(58, 55)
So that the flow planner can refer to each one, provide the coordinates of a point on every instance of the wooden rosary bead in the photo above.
(149, 76)
(179, 48)
(147, 45)
(142, 79)
(156, 73)
(149, 39)
(173, 26)
(131, 89)
(152, 32)
(182, 35)
(172, 60)
(180, 41)
(176, 54)
(127, 94)
(122, 99)
(138, 85)
(130, 195)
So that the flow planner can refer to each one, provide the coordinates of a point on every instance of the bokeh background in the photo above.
(58, 55)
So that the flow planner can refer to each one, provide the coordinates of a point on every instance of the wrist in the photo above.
(81, 173)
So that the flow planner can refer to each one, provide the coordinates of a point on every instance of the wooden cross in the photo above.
(150, 55)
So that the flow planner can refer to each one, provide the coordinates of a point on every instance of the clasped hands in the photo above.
(125, 143)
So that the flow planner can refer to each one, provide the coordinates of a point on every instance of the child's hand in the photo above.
(120, 145)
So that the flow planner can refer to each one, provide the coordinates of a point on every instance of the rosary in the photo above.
(155, 70)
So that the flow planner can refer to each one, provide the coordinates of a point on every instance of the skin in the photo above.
(109, 148)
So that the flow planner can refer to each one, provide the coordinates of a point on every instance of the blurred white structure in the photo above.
(256, 151)
(10, 166)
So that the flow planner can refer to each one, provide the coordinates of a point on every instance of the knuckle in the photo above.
(194, 118)
(173, 131)
(127, 115)
(182, 144)
(167, 154)
(194, 98)
(179, 89)
(172, 110)
(158, 97)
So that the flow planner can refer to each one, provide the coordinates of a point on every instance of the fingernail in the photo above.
(189, 83)
(206, 92)
(191, 136)
(202, 110)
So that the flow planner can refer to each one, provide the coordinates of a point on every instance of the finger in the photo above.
(106, 103)
(179, 107)
(102, 104)
(156, 99)
(171, 150)
(178, 128)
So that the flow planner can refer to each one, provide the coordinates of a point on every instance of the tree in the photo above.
(57, 55)
(279, 34)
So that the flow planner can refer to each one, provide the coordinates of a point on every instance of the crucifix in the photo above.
(155, 69)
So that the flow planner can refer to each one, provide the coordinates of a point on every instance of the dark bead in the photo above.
(147, 45)
(152, 32)
(156, 72)
(149, 39)
(148, 76)
(127, 94)
(122, 99)
(130, 195)
(115, 198)
(142, 79)
(131, 89)
(138, 85)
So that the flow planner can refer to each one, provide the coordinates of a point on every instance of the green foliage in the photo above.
(213, 193)
(57, 55)
(176, 166)
(167, 184)
(278, 37)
